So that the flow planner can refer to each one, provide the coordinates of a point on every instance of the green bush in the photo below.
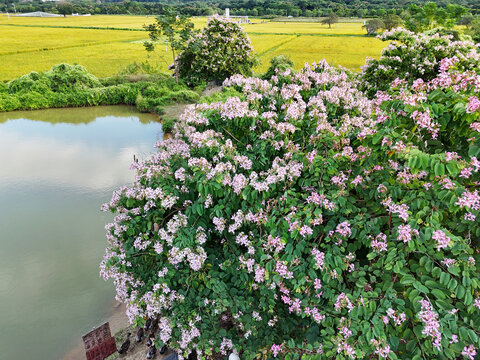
(306, 221)
(33, 100)
(168, 125)
(64, 77)
(221, 96)
(280, 63)
(159, 110)
(67, 85)
(411, 56)
(142, 104)
(9, 102)
(221, 50)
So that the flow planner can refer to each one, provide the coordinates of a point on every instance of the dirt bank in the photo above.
(118, 320)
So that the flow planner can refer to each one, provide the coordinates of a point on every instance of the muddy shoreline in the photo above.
(117, 319)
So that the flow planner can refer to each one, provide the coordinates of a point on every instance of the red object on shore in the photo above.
(99, 343)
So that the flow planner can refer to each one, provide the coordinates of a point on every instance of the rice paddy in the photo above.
(104, 44)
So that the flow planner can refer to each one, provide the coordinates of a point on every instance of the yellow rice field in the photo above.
(15, 39)
(32, 44)
(104, 21)
(304, 28)
(137, 22)
(116, 21)
(349, 52)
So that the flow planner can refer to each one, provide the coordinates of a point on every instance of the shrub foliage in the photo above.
(71, 85)
(412, 56)
(302, 219)
(221, 50)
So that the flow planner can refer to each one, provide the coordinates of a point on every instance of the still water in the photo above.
(56, 169)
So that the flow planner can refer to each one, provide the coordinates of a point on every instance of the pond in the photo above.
(57, 167)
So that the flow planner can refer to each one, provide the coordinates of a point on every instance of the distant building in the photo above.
(40, 14)
(240, 19)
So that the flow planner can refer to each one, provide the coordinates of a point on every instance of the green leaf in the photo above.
(468, 298)
(452, 285)
(439, 169)
(460, 292)
(452, 169)
(420, 287)
(455, 270)
(407, 280)
(439, 294)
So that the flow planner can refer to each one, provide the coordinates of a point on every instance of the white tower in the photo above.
(227, 12)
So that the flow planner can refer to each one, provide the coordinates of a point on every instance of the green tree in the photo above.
(65, 8)
(373, 25)
(221, 50)
(178, 29)
(466, 19)
(332, 18)
(474, 29)
(391, 21)
(430, 16)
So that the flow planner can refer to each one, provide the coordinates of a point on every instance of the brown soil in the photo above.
(119, 326)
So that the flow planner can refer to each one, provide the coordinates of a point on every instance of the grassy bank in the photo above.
(72, 86)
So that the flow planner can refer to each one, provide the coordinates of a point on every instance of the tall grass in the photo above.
(72, 86)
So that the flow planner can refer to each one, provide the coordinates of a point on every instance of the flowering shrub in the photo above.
(302, 219)
(221, 50)
(411, 56)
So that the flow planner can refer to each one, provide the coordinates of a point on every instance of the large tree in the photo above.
(391, 21)
(373, 25)
(332, 18)
(65, 8)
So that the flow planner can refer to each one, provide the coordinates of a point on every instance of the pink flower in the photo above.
(276, 349)
(469, 200)
(306, 231)
(442, 240)
(344, 229)
(404, 233)
(473, 104)
(469, 216)
(475, 126)
(343, 301)
(379, 243)
(476, 303)
(449, 156)
(469, 352)
(430, 319)
(319, 258)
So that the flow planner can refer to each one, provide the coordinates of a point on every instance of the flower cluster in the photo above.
(300, 217)
(416, 58)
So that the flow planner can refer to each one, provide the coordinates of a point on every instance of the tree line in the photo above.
(263, 8)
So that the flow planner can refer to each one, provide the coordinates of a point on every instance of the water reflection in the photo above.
(54, 175)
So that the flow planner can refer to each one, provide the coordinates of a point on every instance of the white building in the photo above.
(40, 13)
